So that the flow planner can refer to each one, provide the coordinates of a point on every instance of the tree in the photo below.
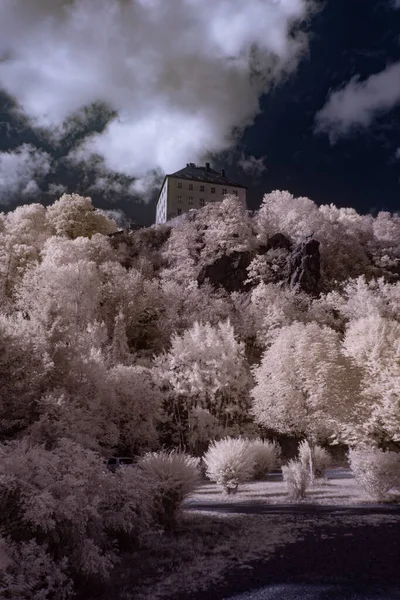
(136, 407)
(206, 368)
(305, 386)
(25, 370)
(373, 343)
(73, 216)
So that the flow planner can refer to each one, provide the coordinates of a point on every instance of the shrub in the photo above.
(67, 502)
(28, 571)
(296, 476)
(321, 458)
(377, 472)
(174, 475)
(266, 457)
(230, 462)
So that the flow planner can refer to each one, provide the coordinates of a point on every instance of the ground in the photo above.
(337, 539)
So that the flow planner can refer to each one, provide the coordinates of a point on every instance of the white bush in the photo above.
(376, 471)
(229, 462)
(266, 457)
(296, 476)
(174, 475)
(321, 458)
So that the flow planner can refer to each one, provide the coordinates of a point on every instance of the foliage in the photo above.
(376, 471)
(304, 384)
(109, 345)
(206, 367)
(65, 500)
(230, 462)
(73, 216)
(321, 458)
(296, 475)
(173, 476)
(28, 571)
(266, 456)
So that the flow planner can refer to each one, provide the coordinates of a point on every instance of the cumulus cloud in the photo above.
(20, 172)
(181, 75)
(252, 165)
(359, 102)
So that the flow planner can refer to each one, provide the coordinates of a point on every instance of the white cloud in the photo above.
(252, 165)
(19, 171)
(359, 102)
(181, 74)
(396, 4)
(56, 190)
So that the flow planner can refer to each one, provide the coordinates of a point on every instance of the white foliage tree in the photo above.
(304, 385)
(73, 216)
(206, 367)
(373, 343)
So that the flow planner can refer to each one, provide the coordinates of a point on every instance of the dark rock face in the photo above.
(276, 241)
(229, 272)
(305, 266)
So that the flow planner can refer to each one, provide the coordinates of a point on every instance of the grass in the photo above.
(341, 491)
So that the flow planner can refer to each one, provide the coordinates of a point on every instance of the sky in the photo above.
(103, 97)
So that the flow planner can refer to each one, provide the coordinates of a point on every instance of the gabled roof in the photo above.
(193, 172)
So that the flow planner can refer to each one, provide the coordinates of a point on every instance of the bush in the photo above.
(173, 475)
(266, 457)
(66, 501)
(230, 462)
(27, 571)
(321, 458)
(296, 476)
(377, 472)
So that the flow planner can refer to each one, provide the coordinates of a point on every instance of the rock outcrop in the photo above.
(229, 272)
(305, 266)
(276, 241)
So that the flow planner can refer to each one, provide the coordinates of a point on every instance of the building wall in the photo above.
(161, 208)
(178, 196)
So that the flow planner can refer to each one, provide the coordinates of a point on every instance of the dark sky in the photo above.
(358, 167)
(349, 37)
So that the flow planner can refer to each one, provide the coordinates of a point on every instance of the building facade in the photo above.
(192, 188)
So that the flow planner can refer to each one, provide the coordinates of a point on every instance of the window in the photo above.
(179, 184)
(190, 199)
(179, 211)
(224, 190)
(235, 192)
(202, 188)
(190, 186)
(202, 202)
(213, 190)
(179, 198)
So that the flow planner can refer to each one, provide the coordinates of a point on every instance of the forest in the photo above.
(205, 346)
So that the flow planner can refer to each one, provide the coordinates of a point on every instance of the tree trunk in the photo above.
(311, 447)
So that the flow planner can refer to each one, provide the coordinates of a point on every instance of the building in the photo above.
(194, 187)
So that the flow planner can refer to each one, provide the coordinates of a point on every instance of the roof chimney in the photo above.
(188, 164)
(223, 172)
(208, 166)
